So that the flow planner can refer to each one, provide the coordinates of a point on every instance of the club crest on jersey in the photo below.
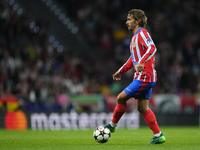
(133, 44)
(149, 41)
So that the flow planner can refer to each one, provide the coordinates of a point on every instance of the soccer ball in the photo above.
(102, 134)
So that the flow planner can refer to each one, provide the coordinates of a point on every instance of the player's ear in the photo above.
(137, 22)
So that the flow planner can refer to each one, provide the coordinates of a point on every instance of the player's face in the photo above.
(131, 22)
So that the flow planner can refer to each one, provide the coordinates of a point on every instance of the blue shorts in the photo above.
(139, 89)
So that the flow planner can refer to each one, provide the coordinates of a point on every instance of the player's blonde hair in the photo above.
(140, 16)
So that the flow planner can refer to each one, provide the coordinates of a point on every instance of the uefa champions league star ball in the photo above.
(102, 134)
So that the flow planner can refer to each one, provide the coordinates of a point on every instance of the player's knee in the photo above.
(121, 100)
(141, 109)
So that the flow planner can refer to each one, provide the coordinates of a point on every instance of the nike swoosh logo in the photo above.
(128, 89)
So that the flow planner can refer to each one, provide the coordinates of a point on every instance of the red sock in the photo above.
(118, 112)
(151, 121)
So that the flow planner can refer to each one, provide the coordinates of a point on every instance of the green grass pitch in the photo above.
(178, 138)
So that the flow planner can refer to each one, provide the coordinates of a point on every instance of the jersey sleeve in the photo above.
(128, 65)
(149, 45)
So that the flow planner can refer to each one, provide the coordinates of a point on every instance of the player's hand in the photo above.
(139, 67)
(117, 76)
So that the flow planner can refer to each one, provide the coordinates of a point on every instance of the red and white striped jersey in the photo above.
(142, 50)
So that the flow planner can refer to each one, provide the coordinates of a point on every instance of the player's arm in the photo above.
(128, 65)
(117, 76)
(148, 43)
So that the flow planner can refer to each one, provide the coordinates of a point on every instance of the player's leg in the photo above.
(150, 119)
(120, 107)
(118, 111)
(126, 94)
(147, 113)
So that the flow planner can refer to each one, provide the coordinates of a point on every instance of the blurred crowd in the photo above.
(34, 71)
(173, 25)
